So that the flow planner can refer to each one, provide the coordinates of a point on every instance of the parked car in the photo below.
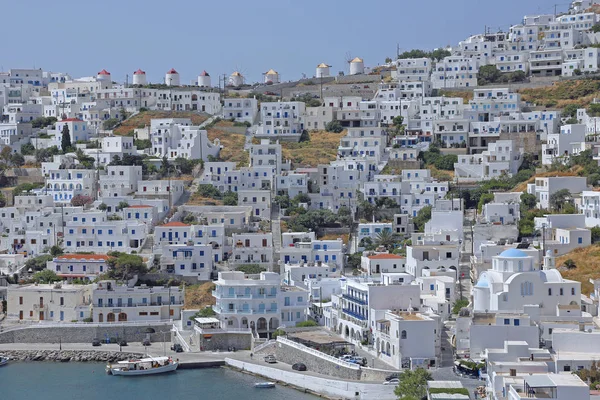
(299, 367)
(358, 360)
(346, 357)
(123, 343)
(270, 359)
(146, 342)
(176, 347)
(392, 376)
(394, 381)
(96, 342)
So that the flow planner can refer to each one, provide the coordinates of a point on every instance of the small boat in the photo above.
(143, 366)
(264, 385)
(3, 361)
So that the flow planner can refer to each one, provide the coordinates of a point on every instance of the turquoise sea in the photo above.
(89, 381)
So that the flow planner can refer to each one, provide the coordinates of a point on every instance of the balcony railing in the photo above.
(354, 299)
(354, 315)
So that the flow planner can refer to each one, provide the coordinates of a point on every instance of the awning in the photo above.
(207, 336)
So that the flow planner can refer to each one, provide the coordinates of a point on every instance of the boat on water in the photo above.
(264, 385)
(3, 361)
(142, 366)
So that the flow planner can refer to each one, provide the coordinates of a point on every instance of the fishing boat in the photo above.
(143, 366)
(3, 361)
(264, 385)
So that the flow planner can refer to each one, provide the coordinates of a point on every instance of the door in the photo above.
(41, 315)
(62, 315)
(21, 314)
(286, 259)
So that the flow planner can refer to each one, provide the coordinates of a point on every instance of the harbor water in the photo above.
(89, 381)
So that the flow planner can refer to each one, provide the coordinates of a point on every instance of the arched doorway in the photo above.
(261, 324)
(100, 317)
(346, 331)
(387, 348)
(110, 317)
(244, 322)
(122, 317)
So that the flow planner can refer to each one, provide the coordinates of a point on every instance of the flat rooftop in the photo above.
(409, 316)
(317, 336)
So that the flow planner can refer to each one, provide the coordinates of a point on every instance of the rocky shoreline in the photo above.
(68, 355)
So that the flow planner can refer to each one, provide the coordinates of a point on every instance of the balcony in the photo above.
(221, 310)
(354, 315)
(355, 299)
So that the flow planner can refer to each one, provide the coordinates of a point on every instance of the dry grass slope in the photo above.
(321, 149)
(233, 143)
(580, 92)
(199, 296)
(587, 260)
(143, 119)
(522, 187)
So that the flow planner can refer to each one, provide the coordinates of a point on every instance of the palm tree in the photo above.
(386, 238)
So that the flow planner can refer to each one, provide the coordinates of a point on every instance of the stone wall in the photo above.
(68, 355)
(84, 333)
(291, 355)
(222, 341)
(328, 387)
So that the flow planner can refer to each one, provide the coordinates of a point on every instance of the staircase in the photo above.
(148, 245)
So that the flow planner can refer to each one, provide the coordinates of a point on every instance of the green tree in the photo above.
(38, 263)
(334, 126)
(398, 120)
(230, 198)
(27, 149)
(283, 201)
(366, 209)
(344, 216)
(125, 266)
(387, 239)
(65, 142)
(484, 199)
(45, 276)
(459, 304)
(595, 234)
(446, 162)
(559, 198)
(354, 260)
(413, 384)
(594, 110)
(206, 312)
(56, 250)
(110, 123)
(17, 159)
(102, 207)
(487, 74)
(122, 204)
(423, 216)
(528, 201)
(142, 144)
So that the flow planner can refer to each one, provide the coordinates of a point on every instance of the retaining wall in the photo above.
(328, 387)
(83, 334)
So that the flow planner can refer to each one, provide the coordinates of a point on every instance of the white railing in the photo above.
(264, 345)
(186, 347)
(317, 353)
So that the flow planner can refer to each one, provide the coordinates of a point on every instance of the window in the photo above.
(527, 289)
(506, 321)
(20, 299)
(549, 291)
(403, 335)
(572, 291)
(517, 322)
(561, 291)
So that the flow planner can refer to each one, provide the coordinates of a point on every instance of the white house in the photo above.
(49, 302)
(79, 266)
(559, 147)
(261, 305)
(119, 303)
(252, 248)
(181, 259)
(281, 120)
(543, 188)
(242, 110)
(502, 158)
(377, 263)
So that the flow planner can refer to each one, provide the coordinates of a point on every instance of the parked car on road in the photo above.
(123, 343)
(270, 359)
(176, 347)
(392, 376)
(96, 342)
(394, 381)
(146, 342)
(299, 367)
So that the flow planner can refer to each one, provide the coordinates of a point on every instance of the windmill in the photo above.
(348, 58)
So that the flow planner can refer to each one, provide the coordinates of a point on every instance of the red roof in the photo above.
(204, 73)
(104, 72)
(175, 224)
(172, 71)
(71, 120)
(139, 72)
(385, 257)
(82, 257)
(140, 206)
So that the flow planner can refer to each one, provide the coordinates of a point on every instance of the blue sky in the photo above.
(290, 36)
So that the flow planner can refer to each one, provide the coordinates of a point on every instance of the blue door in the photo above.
(170, 236)
(286, 259)
(62, 315)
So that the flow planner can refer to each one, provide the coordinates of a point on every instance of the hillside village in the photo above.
(437, 212)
